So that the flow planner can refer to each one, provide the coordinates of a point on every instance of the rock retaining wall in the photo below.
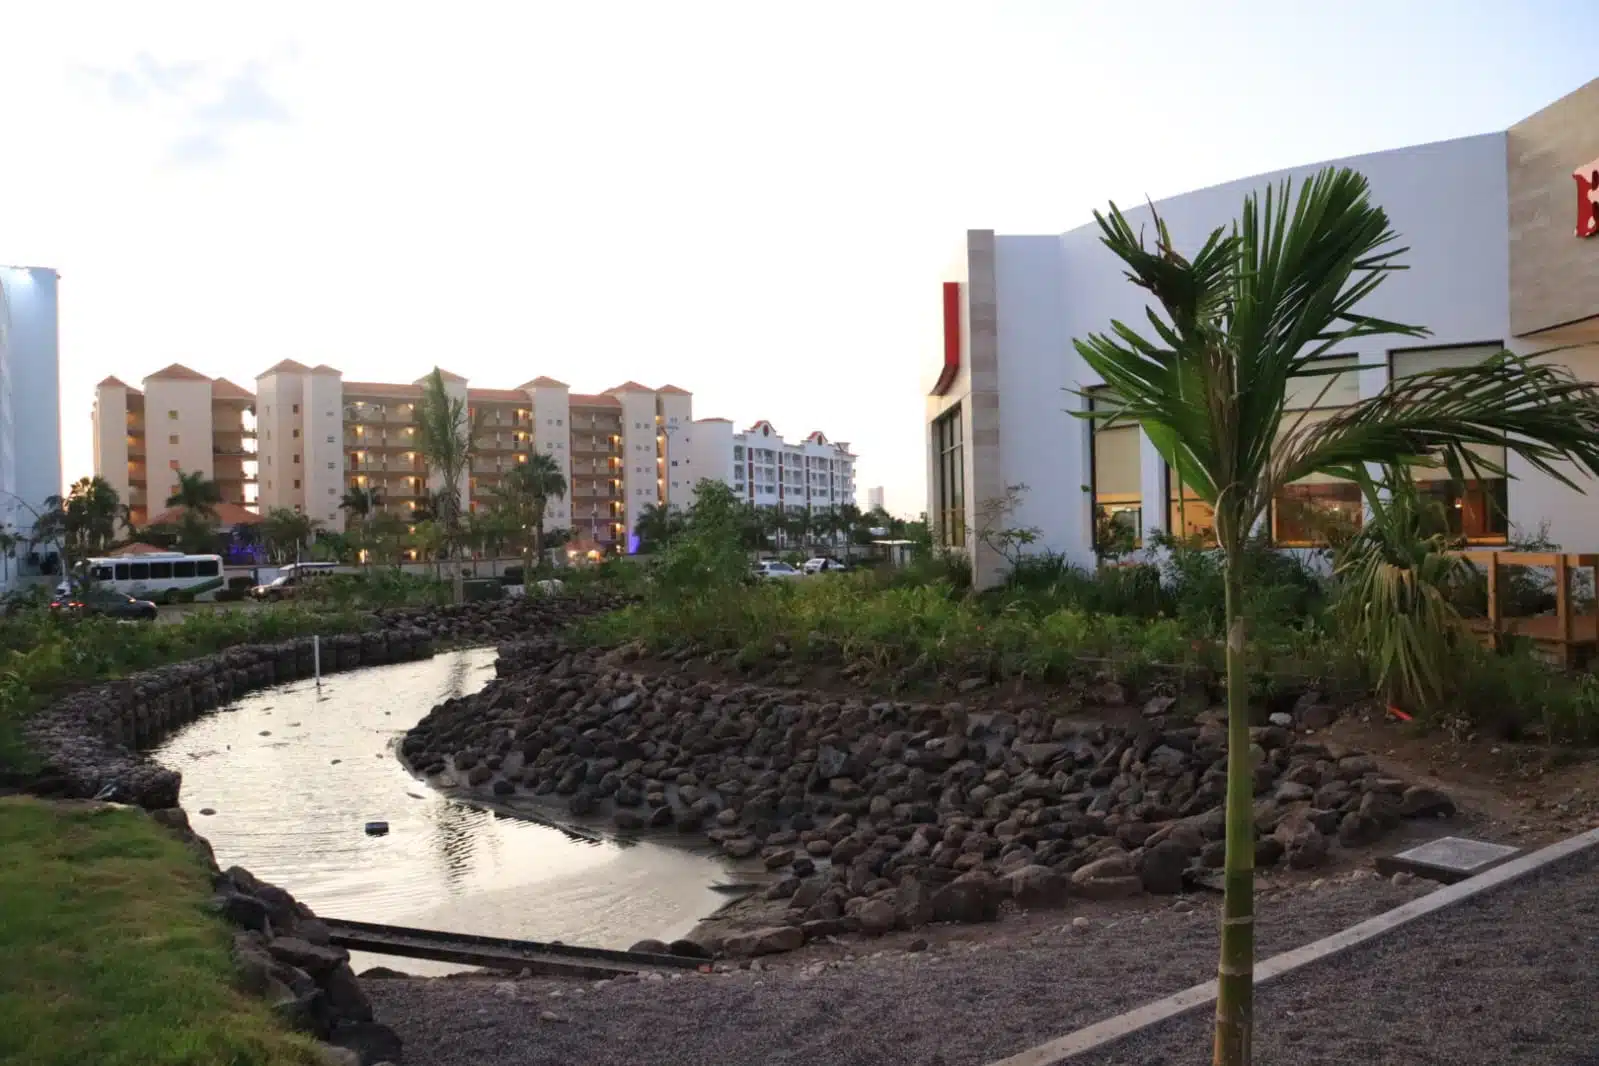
(284, 956)
(876, 814)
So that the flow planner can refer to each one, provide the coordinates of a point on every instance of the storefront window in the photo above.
(1476, 509)
(1318, 508)
(950, 474)
(1118, 496)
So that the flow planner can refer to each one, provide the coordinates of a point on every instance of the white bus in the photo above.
(166, 577)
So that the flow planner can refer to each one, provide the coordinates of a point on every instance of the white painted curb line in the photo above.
(1112, 1029)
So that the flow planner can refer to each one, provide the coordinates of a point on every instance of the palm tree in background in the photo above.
(525, 496)
(360, 503)
(1253, 310)
(196, 493)
(285, 532)
(445, 431)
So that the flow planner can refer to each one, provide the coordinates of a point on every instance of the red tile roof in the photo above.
(137, 548)
(445, 374)
(228, 514)
(542, 382)
(223, 389)
(673, 389)
(288, 366)
(630, 386)
(112, 382)
(583, 399)
(323, 368)
(177, 372)
(729, 421)
(497, 395)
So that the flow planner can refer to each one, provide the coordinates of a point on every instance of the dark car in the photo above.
(106, 602)
(279, 588)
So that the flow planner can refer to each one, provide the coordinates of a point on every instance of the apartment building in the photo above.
(620, 451)
(180, 420)
(1500, 255)
(30, 402)
(815, 474)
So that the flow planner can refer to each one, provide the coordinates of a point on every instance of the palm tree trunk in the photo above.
(1236, 974)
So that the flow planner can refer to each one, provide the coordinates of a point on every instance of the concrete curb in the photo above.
(1101, 1034)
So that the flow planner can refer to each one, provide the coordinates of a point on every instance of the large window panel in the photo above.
(1191, 518)
(1475, 508)
(1118, 494)
(1309, 511)
(950, 476)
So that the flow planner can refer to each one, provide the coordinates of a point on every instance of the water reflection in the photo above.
(294, 776)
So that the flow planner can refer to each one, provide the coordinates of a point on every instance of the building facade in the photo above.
(180, 421)
(30, 405)
(1503, 238)
(813, 474)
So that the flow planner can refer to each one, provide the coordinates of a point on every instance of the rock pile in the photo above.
(491, 621)
(880, 815)
(283, 954)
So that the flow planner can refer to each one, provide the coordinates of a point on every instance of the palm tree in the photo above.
(1253, 309)
(196, 494)
(657, 526)
(382, 536)
(849, 522)
(523, 499)
(444, 435)
(285, 532)
(360, 503)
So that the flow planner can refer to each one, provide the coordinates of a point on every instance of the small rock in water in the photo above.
(335, 762)
(1080, 925)
(265, 733)
(376, 829)
(919, 944)
(550, 1016)
(1281, 719)
(207, 810)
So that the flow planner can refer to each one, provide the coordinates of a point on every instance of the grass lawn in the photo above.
(110, 954)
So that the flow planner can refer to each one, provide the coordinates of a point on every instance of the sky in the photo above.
(752, 201)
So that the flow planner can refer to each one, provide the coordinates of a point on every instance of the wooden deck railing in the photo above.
(1572, 635)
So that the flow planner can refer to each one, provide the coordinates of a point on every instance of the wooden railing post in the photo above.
(1493, 600)
(1563, 607)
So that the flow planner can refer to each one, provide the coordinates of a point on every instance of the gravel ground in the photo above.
(1510, 976)
(957, 1004)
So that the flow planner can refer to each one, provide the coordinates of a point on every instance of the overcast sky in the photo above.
(754, 201)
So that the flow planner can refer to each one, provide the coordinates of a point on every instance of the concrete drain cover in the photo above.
(1448, 859)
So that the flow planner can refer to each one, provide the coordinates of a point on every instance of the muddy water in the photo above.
(293, 776)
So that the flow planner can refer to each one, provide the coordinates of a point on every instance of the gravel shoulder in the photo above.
(1510, 976)
(961, 1002)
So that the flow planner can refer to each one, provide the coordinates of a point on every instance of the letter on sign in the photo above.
(1587, 199)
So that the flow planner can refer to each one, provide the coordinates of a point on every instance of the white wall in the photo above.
(34, 364)
(712, 451)
(551, 428)
(677, 423)
(638, 456)
(322, 422)
(1447, 202)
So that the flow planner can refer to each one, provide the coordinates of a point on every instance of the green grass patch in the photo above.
(111, 956)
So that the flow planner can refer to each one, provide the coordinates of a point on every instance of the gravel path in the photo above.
(1511, 976)
(958, 1004)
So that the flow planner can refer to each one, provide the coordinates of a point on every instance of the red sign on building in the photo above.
(1587, 199)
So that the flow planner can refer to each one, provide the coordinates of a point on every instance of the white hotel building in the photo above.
(1503, 232)
(30, 407)
(814, 474)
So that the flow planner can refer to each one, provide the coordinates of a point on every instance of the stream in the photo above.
(293, 775)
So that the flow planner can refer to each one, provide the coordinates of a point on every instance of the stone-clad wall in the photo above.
(89, 743)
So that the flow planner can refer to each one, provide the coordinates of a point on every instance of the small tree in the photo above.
(196, 494)
(284, 532)
(1250, 312)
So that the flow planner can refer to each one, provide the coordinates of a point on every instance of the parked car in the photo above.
(106, 602)
(776, 568)
(822, 564)
(282, 587)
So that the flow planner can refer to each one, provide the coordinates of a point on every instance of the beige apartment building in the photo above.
(180, 420)
(321, 436)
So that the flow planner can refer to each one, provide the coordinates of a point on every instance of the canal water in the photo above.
(293, 776)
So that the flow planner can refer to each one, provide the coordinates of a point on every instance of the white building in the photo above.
(1504, 253)
(30, 403)
(815, 474)
(874, 498)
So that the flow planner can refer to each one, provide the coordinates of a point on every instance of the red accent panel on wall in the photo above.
(952, 338)
(1587, 199)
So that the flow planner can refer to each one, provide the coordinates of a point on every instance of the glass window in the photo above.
(1118, 494)
(183, 569)
(160, 571)
(102, 573)
(207, 568)
(1190, 516)
(138, 571)
(950, 474)
(1313, 508)
(122, 572)
(1478, 510)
